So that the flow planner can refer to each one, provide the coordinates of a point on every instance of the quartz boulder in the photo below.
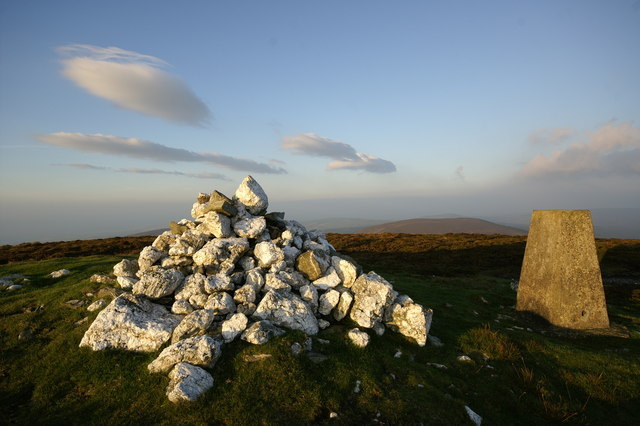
(158, 282)
(285, 309)
(188, 382)
(372, 294)
(130, 323)
(203, 351)
(409, 319)
(252, 196)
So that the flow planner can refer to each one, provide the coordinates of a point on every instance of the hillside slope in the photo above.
(442, 226)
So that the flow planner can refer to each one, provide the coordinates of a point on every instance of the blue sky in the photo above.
(114, 115)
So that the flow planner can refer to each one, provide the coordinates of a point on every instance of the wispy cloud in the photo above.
(133, 81)
(614, 149)
(344, 156)
(551, 136)
(366, 162)
(148, 171)
(138, 148)
(459, 172)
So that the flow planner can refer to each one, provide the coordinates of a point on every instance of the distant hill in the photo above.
(150, 233)
(461, 225)
(340, 225)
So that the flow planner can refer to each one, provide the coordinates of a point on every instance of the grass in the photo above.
(515, 376)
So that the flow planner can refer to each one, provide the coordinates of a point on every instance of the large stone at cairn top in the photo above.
(251, 194)
(560, 279)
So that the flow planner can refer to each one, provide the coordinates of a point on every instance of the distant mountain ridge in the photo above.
(463, 225)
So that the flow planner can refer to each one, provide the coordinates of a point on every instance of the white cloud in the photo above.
(344, 156)
(133, 81)
(204, 175)
(138, 148)
(365, 162)
(115, 145)
(551, 136)
(234, 163)
(314, 145)
(614, 149)
(459, 172)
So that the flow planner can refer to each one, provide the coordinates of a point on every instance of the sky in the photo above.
(115, 115)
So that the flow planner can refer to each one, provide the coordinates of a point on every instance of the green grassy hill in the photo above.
(518, 374)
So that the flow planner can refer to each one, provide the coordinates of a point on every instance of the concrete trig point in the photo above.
(560, 279)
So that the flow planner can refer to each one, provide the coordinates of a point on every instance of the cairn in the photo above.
(238, 272)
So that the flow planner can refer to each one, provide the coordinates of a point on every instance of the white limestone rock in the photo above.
(245, 294)
(202, 351)
(298, 230)
(101, 279)
(164, 241)
(157, 282)
(247, 263)
(267, 253)
(176, 262)
(181, 307)
(188, 382)
(216, 224)
(126, 283)
(188, 243)
(221, 252)
(296, 349)
(372, 294)
(193, 290)
(246, 308)
(279, 266)
(255, 278)
(347, 271)
(287, 310)
(218, 282)
(358, 337)
(409, 319)
(126, 268)
(221, 303)
(196, 323)
(309, 293)
(286, 238)
(261, 332)
(291, 253)
(232, 327)
(293, 278)
(251, 227)
(130, 323)
(323, 324)
(252, 196)
(148, 257)
(315, 245)
(274, 282)
(473, 416)
(328, 301)
(59, 273)
(331, 279)
(198, 210)
(341, 311)
(97, 305)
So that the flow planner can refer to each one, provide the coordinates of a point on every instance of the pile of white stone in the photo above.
(13, 282)
(237, 272)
